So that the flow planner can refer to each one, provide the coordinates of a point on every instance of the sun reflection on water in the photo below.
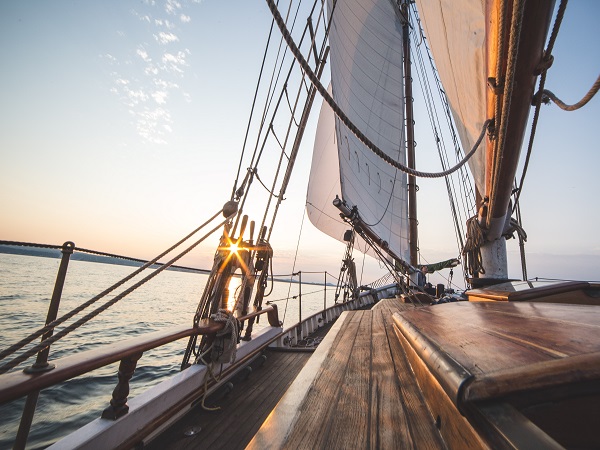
(234, 284)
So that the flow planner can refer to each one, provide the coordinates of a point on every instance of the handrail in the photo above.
(323, 312)
(17, 384)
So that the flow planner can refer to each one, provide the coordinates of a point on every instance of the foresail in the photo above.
(455, 31)
(324, 184)
(367, 83)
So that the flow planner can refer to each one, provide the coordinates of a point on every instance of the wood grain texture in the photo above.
(491, 338)
(366, 397)
(242, 411)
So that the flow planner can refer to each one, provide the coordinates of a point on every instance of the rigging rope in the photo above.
(514, 39)
(12, 349)
(62, 333)
(340, 114)
(472, 249)
(545, 65)
(586, 98)
(466, 186)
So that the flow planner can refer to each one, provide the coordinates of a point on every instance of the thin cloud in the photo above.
(143, 54)
(160, 97)
(147, 76)
(175, 62)
(165, 38)
(172, 6)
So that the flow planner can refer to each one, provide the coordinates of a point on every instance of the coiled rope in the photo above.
(231, 328)
(353, 128)
(472, 250)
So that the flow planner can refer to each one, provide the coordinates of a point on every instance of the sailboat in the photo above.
(504, 364)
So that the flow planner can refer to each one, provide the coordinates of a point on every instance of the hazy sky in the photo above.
(121, 125)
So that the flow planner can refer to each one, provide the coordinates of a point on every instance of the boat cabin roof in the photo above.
(574, 292)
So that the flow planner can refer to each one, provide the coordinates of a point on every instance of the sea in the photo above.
(169, 299)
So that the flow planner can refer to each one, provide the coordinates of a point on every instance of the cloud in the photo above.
(165, 38)
(148, 76)
(151, 70)
(143, 54)
(160, 97)
(172, 6)
(148, 124)
(175, 62)
(164, 84)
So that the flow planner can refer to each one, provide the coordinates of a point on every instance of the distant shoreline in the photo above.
(122, 261)
(81, 256)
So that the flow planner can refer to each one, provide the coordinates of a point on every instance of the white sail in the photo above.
(460, 59)
(324, 183)
(367, 83)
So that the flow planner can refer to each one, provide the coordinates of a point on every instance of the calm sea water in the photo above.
(26, 285)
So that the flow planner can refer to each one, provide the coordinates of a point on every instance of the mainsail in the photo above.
(367, 83)
(460, 59)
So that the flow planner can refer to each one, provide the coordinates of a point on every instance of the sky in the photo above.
(121, 125)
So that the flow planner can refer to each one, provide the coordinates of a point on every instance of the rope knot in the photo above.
(497, 87)
(544, 64)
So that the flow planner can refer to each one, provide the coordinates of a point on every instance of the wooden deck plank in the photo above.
(390, 427)
(349, 424)
(259, 398)
(243, 412)
(364, 396)
(323, 395)
(529, 323)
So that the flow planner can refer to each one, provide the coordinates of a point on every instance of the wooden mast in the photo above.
(509, 100)
(410, 141)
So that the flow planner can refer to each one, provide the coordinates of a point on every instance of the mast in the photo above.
(515, 50)
(410, 140)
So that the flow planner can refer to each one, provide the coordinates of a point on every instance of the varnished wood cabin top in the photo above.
(574, 292)
(506, 347)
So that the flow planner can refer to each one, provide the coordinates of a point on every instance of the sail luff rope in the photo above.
(62, 333)
(13, 348)
(466, 184)
(499, 82)
(340, 114)
(508, 84)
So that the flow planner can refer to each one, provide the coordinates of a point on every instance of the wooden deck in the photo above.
(465, 375)
(243, 409)
(461, 375)
(360, 392)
